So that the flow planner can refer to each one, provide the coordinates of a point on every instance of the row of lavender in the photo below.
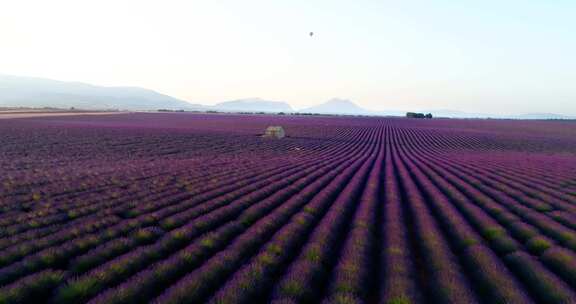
(475, 243)
(376, 211)
(127, 223)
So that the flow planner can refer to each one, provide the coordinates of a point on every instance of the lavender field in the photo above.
(199, 208)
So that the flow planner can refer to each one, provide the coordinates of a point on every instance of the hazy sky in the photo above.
(489, 56)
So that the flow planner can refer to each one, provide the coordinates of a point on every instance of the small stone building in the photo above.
(275, 132)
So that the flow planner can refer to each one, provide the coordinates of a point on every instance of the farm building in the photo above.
(275, 132)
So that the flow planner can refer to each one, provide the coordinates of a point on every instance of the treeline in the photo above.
(418, 115)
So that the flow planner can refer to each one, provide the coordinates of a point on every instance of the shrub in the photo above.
(539, 244)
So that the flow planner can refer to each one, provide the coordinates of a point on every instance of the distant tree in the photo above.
(418, 115)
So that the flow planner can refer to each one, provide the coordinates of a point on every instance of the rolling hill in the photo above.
(337, 106)
(253, 105)
(16, 91)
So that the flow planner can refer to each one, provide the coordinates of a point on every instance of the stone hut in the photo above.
(274, 132)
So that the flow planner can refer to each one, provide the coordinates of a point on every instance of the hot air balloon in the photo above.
(311, 34)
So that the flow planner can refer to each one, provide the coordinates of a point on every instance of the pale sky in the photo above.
(493, 56)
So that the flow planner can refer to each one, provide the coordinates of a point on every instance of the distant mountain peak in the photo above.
(254, 104)
(337, 106)
(340, 101)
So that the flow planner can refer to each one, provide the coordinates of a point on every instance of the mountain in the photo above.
(337, 106)
(31, 92)
(253, 105)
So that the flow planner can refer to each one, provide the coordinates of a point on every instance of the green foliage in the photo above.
(168, 224)
(538, 245)
(207, 242)
(293, 288)
(399, 300)
(144, 236)
(346, 298)
(275, 249)
(504, 244)
(77, 291)
(313, 254)
(491, 233)
(310, 210)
